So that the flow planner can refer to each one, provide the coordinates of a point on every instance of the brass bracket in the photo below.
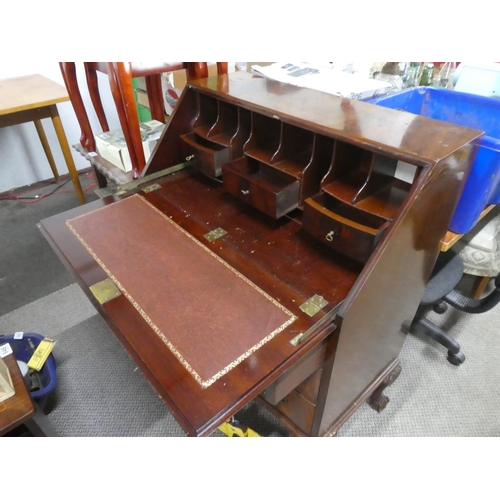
(329, 316)
(151, 187)
(124, 188)
(215, 234)
(105, 290)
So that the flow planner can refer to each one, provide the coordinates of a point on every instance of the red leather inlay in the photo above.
(209, 315)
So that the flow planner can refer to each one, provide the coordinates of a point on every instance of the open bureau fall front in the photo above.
(283, 262)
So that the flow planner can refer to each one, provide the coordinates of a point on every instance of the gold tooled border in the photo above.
(204, 383)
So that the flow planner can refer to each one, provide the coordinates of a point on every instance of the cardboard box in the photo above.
(179, 78)
(112, 146)
(142, 98)
(173, 84)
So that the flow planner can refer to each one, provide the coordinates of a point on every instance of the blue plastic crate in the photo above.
(23, 352)
(469, 110)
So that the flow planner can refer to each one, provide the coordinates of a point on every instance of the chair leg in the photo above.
(120, 79)
(68, 71)
(222, 68)
(155, 97)
(196, 70)
(455, 356)
(95, 96)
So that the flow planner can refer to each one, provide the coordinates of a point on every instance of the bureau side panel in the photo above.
(383, 301)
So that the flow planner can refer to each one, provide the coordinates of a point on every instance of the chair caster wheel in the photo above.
(440, 308)
(456, 359)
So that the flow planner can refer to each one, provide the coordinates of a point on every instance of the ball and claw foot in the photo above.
(378, 400)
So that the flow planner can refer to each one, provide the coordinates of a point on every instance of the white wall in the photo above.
(22, 159)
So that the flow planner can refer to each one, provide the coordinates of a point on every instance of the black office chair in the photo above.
(439, 292)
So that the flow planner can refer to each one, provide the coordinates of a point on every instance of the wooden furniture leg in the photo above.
(222, 68)
(378, 400)
(101, 179)
(479, 286)
(95, 96)
(46, 148)
(197, 70)
(61, 136)
(155, 97)
(123, 93)
(68, 71)
(120, 78)
(127, 110)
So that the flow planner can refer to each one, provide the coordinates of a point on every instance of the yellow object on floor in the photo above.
(233, 428)
(41, 354)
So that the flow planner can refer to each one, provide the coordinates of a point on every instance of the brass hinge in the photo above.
(313, 305)
(105, 290)
(215, 234)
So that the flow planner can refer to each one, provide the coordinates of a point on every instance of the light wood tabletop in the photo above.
(32, 98)
(28, 92)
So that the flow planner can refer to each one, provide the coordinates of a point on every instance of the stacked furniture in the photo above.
(120, 75)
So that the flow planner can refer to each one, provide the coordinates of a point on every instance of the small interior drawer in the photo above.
(262, 186)
(344, 228)
(209, 155)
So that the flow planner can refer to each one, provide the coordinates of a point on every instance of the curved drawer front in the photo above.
(210, 156)
(345, 229)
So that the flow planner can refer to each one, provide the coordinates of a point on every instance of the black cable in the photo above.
(13, 196)
(46, 194)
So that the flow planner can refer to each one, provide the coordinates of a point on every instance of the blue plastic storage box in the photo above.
(469, 110)
(23, 352)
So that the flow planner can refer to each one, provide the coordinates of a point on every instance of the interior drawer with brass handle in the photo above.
(265, 188)
(209, 155)
(344, 228)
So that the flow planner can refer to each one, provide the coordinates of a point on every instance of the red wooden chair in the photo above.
(120, 76)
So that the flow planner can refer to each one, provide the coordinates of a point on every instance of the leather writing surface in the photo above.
(207, 313)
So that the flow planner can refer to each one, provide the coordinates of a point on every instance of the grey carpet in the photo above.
(101, 393)
(29, 268)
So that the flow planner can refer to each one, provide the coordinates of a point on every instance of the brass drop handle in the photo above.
(245, 191)
(330, 235)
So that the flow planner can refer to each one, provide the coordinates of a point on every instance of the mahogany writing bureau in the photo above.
(283, 263)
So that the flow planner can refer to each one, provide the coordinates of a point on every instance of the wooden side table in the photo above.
(19, 409)
(30, 99)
